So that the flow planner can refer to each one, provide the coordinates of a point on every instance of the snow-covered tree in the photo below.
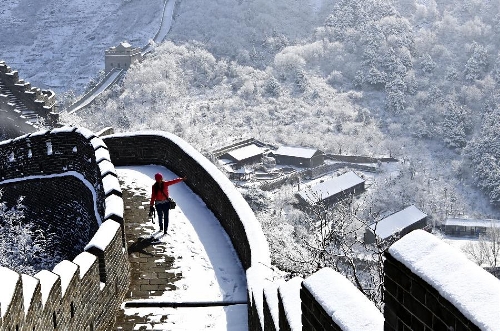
(22, 248)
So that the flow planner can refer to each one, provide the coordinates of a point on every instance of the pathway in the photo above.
(189, 279)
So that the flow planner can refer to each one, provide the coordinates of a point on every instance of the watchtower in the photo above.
(121, 56)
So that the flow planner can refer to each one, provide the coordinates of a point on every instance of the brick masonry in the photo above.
(50, 168)
(103, 272)
(412, 304)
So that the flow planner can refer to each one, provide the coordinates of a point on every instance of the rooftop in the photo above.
(302, 152)
(330, 187)
(397, 221)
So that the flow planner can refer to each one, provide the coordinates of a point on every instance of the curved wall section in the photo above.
(216, 190)
(218, 193)
(86, 292)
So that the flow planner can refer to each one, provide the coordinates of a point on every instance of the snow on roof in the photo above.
(472, 222)
(104, 235)
(85, 260)
(66, 270)
(397, 221)
(47, 281)
(302, 152)
(243, 170)
(472, 290)
(330, 187)
(8, 286)
(29, 288)
(290, 295)
(348, 307)
(245, 152)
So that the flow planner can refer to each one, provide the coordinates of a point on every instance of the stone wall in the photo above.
(41, 102)
(84, 293)
(143, 149)
(56, 170)
(218, 193)
(430, 285)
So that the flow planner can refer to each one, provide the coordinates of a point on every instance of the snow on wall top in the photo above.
(84, 260)
(330, 187)
(271, 294)
(47, 281)
(29, 287)
(290, 295)
(102, 154)
(258, 243)
(348, 307)
(7, 287)
(302, 152)
(104, 235)
(472, 290)
(397, 221)
(66, 270)
(114, 206)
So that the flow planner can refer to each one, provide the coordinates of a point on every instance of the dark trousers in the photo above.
(162, 210)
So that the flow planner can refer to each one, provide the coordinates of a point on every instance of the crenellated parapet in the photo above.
(30, 102)
(84, 291)
(428, 285)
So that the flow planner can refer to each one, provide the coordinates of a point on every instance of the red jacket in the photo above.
(158, 195)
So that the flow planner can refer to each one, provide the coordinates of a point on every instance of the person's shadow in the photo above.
(141, 244)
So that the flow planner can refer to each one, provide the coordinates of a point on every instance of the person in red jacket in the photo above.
(159, 198)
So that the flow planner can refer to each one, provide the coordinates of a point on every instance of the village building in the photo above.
(298, 156)
(399, 223)
(240, 174)
(468, 227)
(121, 56)
(332, 190)
(245, 155)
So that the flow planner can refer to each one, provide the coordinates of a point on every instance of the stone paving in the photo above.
(187, 280)
(148, 261)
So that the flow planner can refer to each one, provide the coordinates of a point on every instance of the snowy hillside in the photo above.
(60, 45)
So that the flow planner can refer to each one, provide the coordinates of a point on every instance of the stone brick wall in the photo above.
(142, 149)
(176, 155)
(42, 102)
(411, 303)
(63, 172)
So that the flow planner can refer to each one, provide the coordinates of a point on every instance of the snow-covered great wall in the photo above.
(428, 284)
(82, 293)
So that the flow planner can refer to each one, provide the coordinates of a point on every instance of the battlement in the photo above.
(420, 290)
(83, 292)
(415, 298)
(29, 102)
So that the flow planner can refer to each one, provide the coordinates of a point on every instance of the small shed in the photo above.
(463, 227)
(401, 223)
(298, 156)
(332, 190)
(244, 155)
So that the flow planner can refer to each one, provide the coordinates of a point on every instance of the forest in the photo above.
(414, 80)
